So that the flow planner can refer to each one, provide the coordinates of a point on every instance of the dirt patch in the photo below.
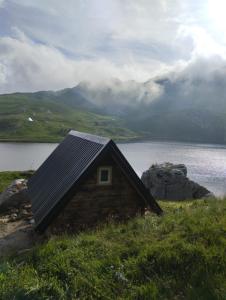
(17, 230)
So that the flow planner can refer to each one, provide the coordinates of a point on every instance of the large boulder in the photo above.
(170, 181)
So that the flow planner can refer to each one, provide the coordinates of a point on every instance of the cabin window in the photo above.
(104, 175)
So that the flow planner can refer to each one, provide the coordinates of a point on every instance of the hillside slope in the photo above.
(48, 116)
(181, 255)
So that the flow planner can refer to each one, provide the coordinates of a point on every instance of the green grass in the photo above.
(52, 120)
(7, 177)
(181, 255)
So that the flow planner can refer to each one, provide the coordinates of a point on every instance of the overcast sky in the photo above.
(52, 44)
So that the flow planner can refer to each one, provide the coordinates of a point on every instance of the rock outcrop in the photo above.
(17, 234)
(170, 181)
(14, 197)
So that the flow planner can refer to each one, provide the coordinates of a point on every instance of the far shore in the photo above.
(119, 140)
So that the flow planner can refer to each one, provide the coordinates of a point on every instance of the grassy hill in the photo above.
(53, 116)
(181, 255)
(47, 116)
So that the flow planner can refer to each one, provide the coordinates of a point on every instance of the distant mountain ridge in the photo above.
(178, 108)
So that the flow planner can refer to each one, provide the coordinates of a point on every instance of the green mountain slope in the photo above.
(181, 255)
(48, 116)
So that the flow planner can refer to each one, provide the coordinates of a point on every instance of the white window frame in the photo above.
(104, 168)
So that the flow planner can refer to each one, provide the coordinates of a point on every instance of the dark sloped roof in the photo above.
(56, 180)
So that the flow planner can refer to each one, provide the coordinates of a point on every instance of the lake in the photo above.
(206, 163)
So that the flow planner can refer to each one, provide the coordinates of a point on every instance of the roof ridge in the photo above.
(90, 137)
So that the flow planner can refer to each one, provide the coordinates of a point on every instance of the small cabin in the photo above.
(85, 181)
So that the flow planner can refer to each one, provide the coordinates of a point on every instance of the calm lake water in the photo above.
(206, 163)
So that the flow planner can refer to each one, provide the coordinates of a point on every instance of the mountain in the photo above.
(172, 107)
(176, 106)
(48, 116)
(181, 113)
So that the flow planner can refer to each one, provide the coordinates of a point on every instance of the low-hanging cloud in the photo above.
(116, 92)
(199, 86)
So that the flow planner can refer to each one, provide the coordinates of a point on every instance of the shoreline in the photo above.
(144, 139)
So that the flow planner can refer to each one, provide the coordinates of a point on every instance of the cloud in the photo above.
(112, 29)
(114, 93)
(48, 44)
(83, 40)
(29, 66)
(204, 43)
(200, 86)
(196, 87)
